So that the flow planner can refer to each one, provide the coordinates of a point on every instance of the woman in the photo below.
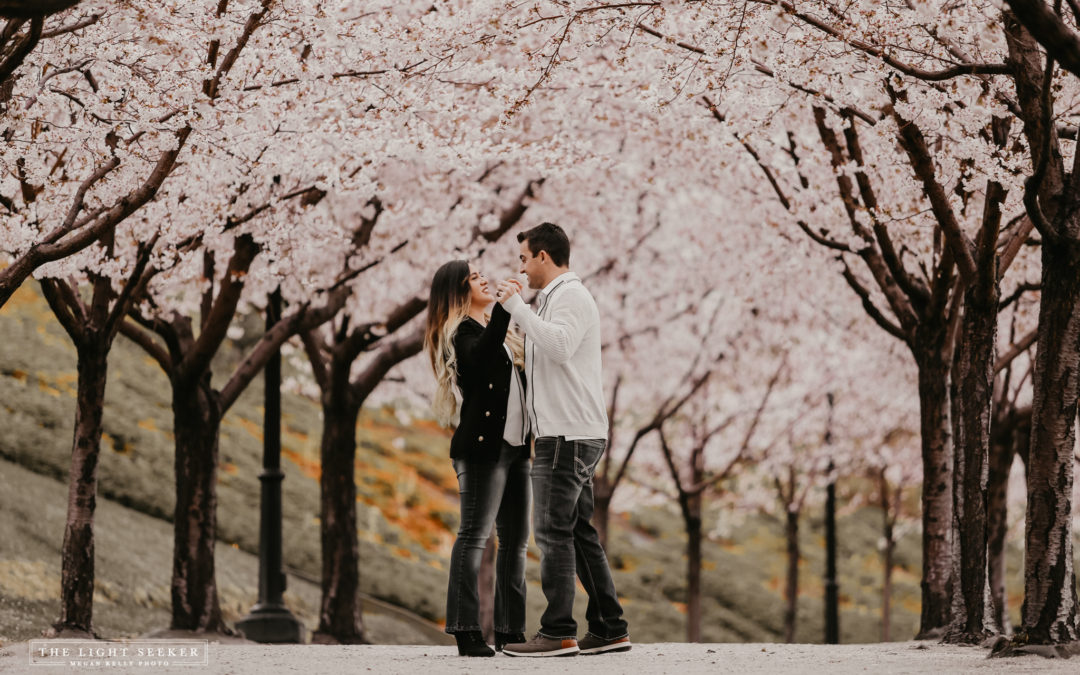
(489, 449)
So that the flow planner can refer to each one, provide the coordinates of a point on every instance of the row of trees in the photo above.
(929, 129)
(166, 168)
(154, 197)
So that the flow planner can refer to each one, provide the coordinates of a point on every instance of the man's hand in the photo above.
(507, 289)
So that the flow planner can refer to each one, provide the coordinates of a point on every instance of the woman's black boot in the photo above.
(503, 639)
(471, 643)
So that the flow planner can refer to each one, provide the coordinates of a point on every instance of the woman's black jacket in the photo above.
(483, 375)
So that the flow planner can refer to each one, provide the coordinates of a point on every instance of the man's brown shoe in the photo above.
(593, 644)
(543, 646)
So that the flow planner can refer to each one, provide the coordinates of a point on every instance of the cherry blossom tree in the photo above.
(693, 478)
(1050, 605)
(224, 224)
(926, 308)
(118, 270)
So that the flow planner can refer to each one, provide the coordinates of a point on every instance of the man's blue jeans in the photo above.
(491, 493)
(562, 474)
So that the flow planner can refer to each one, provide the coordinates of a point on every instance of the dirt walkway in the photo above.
(677, 659)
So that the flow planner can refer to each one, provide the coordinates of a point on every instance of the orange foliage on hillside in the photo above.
(309, 467)
(253, 428)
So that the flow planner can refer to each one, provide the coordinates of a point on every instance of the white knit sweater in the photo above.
(562, 360)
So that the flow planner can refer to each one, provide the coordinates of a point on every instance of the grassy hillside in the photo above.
(407, 503)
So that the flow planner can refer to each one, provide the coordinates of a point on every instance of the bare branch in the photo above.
(216, 324)
(744, 446)
(315, 347)
(914, 143)
(958, 70)
(1018, 293)
(134, 287)
(1016, 350)
(388, 356)
(868, 304)
(145, 340)
(72, 27)
(58, 294)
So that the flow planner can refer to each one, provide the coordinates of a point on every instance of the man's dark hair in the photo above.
(551, 238)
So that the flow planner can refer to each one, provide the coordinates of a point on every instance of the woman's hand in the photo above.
(507, 289)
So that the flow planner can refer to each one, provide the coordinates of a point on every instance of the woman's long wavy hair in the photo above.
(447, 308)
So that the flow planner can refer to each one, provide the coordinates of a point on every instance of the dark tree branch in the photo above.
(362, 235)
(914, 143)
(1018, 293)
(868, 304)
(1013, 244)
(1016, 350)
(315, 347)
(512, 215)
(134, 287)
(959, 70)
(1060, 41)
(387, 357)
(907, 283)
(253, 22)
(27, 9)
(362, 337)
(216, 324)
(744, 446)
(72, 27)
(899, 302)
(146, 340)
(21, 49)
(57, 294)
(304, 319)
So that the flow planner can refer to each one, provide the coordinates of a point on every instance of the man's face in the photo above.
(532, 267)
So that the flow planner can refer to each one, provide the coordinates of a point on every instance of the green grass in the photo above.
(407, 505)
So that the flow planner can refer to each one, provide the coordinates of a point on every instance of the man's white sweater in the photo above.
(562, 360)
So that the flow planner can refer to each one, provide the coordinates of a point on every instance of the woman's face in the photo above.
(479, 296)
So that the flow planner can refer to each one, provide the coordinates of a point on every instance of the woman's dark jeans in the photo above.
(491, 493)
(562, 477)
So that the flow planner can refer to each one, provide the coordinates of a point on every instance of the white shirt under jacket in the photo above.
(562, 360)
(516, 424)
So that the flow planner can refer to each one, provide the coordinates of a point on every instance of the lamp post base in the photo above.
(272, 624)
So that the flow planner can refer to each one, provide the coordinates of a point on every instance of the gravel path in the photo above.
(675, 658)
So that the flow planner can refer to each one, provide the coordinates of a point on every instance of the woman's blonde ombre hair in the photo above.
(447, 308)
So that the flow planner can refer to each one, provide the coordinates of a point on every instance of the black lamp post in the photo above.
(832, 615)
(270, 620)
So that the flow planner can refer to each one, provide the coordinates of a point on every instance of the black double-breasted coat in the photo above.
(483, 375)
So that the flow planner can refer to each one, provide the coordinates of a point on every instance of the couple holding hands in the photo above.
(544, 387)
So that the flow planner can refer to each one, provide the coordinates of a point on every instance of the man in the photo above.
(565, 405)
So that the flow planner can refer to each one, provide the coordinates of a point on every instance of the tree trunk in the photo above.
(196, 421)
(485, 585)
(693, 571)
(1001, 457)
(1049, 611)
(973, 386)
(77, 555)
(339, 613)
(25, 9)
(791, 585)
(936, 494)
(887, 563)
